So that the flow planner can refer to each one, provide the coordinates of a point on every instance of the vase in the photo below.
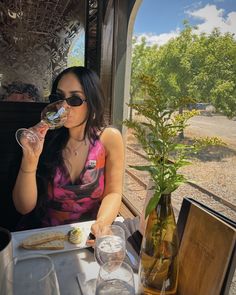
(159, 267)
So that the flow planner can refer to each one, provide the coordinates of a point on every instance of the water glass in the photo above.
(110, 244)
(30, 275)
(116, 279)
(5, 251)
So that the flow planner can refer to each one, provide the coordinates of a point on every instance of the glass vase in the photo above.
(159, 267)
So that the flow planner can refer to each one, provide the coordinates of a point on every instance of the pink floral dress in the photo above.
(79, 201)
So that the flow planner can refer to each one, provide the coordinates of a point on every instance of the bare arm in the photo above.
(25, 189)
(114, 169)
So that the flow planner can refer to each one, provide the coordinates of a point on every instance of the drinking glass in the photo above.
(53, 116)
(5, 250)
(110, 244)
(30, 275)
(115, 280)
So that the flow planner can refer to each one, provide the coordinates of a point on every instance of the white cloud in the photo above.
(211, 17)
(194, 5)
(161, 39)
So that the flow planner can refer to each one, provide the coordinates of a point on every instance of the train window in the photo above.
(188, 64)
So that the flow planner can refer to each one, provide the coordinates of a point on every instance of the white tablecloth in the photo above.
(80, 262)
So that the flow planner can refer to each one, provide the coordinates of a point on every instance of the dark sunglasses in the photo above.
(74, 100)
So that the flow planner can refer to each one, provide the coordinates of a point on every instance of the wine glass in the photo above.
(30, 275)
(53, 116)
(110, 244)
(115, 279)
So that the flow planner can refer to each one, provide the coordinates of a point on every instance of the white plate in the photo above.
(17, 237)
(21, 235)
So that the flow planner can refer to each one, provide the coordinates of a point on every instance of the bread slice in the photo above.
(41, 238)
(52, 245)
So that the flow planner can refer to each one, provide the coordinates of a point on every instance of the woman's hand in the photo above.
(95, 229)
(25, 192)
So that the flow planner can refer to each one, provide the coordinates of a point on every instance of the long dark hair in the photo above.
(93, 92)
(56, 140)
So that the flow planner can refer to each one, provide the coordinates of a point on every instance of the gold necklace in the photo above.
(75, 151)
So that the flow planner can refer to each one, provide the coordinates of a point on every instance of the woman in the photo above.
(77, 172)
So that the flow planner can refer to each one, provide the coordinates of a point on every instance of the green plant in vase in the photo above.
(158, 132)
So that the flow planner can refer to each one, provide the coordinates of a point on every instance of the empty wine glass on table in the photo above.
(110, 244)
(53, 116)
(115, 280)
(30, 275)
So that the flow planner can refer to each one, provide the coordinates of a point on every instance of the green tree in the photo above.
(190, 68)
(214, 67)
(74, 60)
(143, 62)
(175, 73)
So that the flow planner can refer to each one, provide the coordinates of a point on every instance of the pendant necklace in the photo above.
(76, 151)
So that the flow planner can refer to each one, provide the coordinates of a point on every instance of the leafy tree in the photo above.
(191, 68)
(175, 74)
(214, 67)
(74, 60)
(143, 62)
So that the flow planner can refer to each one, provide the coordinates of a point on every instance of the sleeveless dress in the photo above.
(79, 201)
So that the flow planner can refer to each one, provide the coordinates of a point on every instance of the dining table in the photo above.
(75, 266)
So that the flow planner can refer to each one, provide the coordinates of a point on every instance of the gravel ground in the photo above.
(137, 193)
(214, 170)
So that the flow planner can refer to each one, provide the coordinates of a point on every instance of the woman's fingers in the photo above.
(41, 129)
(90, 243)
(97, 227)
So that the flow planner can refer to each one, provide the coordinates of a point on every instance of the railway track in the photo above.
(201, 189)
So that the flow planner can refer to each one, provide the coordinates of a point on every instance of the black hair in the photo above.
(56, 140)
(93, 92)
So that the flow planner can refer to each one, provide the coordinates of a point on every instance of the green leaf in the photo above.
(148, 168)
(152, 203)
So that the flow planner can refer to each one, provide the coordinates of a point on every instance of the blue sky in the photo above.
(160, 20)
